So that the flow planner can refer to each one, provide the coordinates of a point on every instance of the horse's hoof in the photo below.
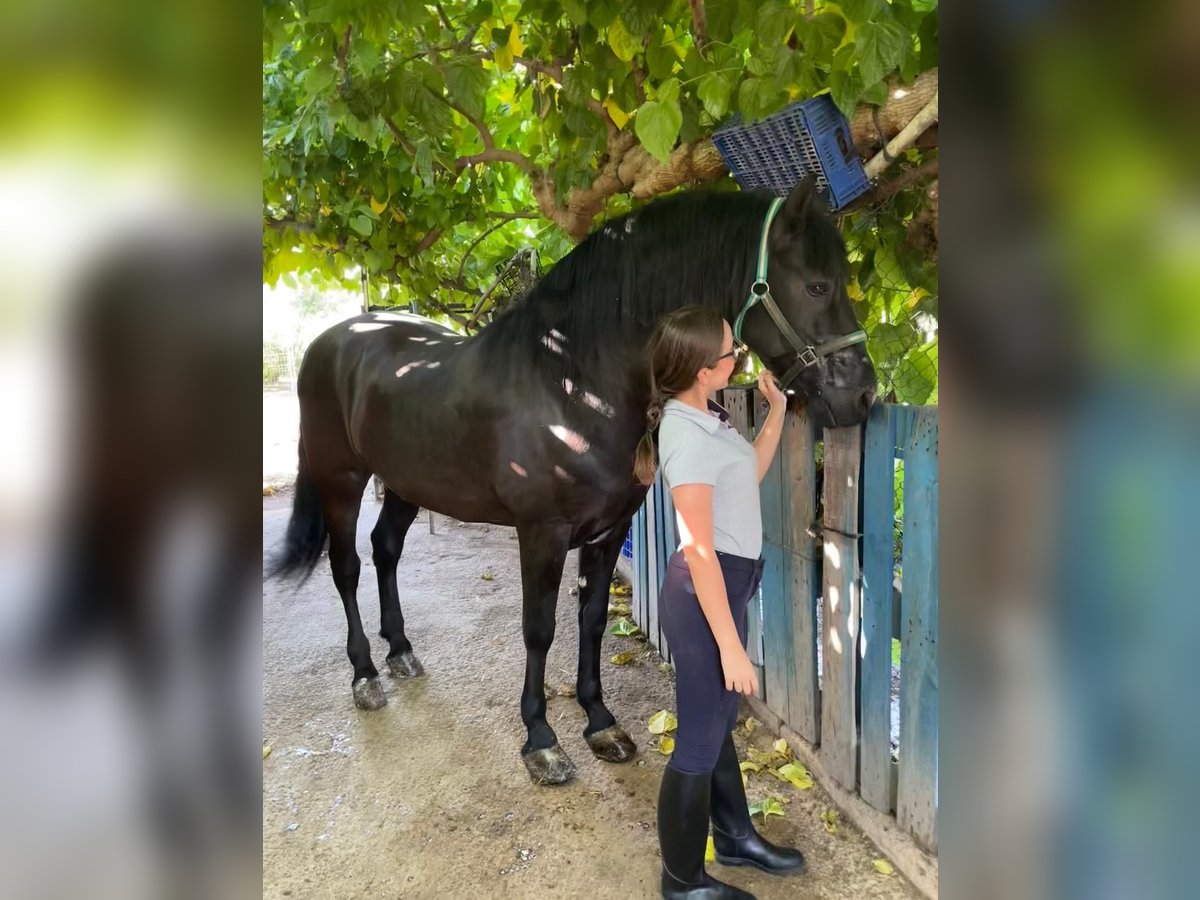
(549, 766)
(612, 744)
(368, 694)
(405, 665)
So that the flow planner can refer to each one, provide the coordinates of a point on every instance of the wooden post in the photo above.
(879, 498)
(778, 660)
(738, 405)
(839, 733)
(802, 573)
(916, 799)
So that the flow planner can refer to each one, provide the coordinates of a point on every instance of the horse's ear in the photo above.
(795, 208)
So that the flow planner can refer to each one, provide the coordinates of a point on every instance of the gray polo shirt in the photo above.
(703, 448)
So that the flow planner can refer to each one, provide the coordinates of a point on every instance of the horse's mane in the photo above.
(693, 248)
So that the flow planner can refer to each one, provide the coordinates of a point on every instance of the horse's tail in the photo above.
(306, 529)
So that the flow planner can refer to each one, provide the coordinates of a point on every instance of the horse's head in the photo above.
(807, 271)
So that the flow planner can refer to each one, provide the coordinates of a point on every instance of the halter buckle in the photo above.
(759, 289)
(808, 356)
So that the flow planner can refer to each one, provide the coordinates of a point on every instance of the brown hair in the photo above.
(683, 342)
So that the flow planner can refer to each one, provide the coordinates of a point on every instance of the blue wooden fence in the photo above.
(821, 629)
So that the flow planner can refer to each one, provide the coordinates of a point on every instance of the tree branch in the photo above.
(445, 18)
(491, 153)
(902, 141)
(428, 241)
(505, 218)
(399, 136)
(639, 78)
(285, 224)
(554, 70)
(700, 25)
(885, 191)
(343, 54)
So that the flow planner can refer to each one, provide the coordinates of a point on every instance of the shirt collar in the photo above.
(719, 416)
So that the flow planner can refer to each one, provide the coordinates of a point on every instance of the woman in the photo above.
(713, 474)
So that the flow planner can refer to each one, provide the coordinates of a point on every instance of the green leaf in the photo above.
(796, 775)
(623, 628)
(880, 47)
(576, 87)
(423, 163)
(662, 722)
(467, 83)
(576, 11)
(820, 36)
(668, 91)
(883, 867)
(714, 92)
(623, 44)
(363, 225)
(927, 34)
(759, 97)
(657, 127)
(860, 11)
(846, 88)
(775, 22)
(876, 94)
(640, 17)
(313, 81)
(660, 55)
(830, 818)
(916, 376)
(768, 806)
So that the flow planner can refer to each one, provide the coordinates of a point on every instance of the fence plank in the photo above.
(650, 629)
(774, 606)
(778, 660)
(839, 744)
(754, 611)
(638, 601)
(879, 497)
(670, 542)
(916, 800)
(739, 406)
(801, 573)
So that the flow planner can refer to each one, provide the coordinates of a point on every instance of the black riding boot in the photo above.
(682, 834)
(734, 837)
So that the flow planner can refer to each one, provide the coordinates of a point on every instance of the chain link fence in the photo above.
(280, 365)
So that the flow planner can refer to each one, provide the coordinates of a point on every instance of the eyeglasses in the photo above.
(737, 354)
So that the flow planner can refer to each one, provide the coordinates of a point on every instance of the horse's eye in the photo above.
(818, 289)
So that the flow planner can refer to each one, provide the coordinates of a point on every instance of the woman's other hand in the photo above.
(738, 671)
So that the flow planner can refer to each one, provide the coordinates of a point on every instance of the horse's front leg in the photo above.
(543, 552)
(607, 739)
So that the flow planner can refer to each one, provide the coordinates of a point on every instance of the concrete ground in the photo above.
(428, 798)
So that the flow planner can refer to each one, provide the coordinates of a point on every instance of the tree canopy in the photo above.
(424, 143)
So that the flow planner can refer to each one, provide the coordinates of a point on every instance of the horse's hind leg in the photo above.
(543, 552)
(387, 544)
(341, 498)
(607, 739)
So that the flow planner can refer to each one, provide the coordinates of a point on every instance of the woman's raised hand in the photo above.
(768, 386)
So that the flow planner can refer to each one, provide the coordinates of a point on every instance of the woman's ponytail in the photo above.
(645, 464)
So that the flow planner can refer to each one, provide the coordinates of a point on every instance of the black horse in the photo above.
(534, 422)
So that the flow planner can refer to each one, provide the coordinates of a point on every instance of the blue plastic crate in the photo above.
(627, 547)
(776, 152)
